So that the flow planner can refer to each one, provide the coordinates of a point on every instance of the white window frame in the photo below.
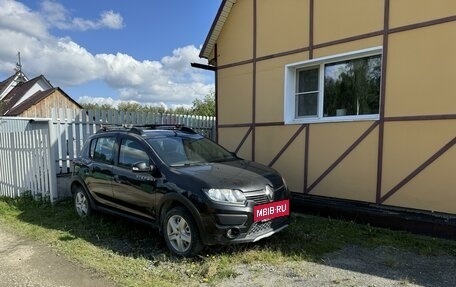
(290, 88)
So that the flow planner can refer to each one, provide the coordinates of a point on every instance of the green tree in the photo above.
(204, 107)
(91, 106)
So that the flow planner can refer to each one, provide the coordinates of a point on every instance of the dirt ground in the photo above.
(26, 263)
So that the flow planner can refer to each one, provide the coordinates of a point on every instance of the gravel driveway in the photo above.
(353, 266)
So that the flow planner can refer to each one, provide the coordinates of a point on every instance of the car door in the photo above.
(100, 169)
(134, 192)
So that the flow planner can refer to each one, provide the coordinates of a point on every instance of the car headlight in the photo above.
(226, 195)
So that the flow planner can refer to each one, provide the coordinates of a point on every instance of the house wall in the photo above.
(43, 109)
(406, 158)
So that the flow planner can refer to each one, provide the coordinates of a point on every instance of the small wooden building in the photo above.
(35, 98)
(349, 100)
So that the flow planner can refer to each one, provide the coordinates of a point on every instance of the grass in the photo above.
(135, 255)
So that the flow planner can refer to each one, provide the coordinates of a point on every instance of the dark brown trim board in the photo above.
(421, 118)
(290, 141)
(306, 159)
(243, 125)
(381, 127)
(244, 139)
(254, 78)
(216, 98)
(342, 157)
(311, 28)
(424, 165)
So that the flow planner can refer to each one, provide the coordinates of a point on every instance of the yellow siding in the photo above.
(421, 65)
(291, 163)
(275, 35)
(407, 12)
(230, 138)
(355, 177)
(341, 19)
(235, 84)
(348, 47)
(433, 189)
(270, 89)
(235, 42)
(328, 142)
(409, 144)
(420, 81)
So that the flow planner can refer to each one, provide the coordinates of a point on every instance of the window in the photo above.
(103, 150)
(131, 152)
(338, 88)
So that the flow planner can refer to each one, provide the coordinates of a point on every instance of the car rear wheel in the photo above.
(181, 233)
(81, 203)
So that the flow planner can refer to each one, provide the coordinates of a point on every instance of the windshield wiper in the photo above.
(180, 164)
(223, 159)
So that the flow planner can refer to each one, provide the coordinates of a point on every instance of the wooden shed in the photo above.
(34, 98)
(349, 100)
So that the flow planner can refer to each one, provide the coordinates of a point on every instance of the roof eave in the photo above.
(216, 28)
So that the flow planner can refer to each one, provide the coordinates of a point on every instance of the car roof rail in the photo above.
(178, 127)
(119, 128)
(139, 129)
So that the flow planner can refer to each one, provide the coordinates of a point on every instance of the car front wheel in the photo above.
(81, 203)
(181, 233)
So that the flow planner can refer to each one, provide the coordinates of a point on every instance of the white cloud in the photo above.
(111, 20)
(56, 15)
(170, 80)
(12, 15)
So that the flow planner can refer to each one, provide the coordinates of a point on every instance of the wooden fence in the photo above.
(27, 165)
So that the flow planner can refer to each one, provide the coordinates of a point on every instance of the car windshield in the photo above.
(184, 151)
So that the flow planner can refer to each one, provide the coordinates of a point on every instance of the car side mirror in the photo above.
(142, 167)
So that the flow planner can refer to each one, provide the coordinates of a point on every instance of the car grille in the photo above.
(259, 197)
(259, 227)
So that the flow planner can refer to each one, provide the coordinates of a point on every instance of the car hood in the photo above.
(239, 174)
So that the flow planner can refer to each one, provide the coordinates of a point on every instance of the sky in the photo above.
(108, 51)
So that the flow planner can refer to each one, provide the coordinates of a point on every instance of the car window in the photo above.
(103, 150)
(131, 152)
(176, 151)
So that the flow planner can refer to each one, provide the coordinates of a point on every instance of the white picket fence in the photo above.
(34, 151)
(26, 165)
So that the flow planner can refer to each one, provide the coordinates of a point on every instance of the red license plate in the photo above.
(271, 210)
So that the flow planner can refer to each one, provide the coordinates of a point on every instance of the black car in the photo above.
(193, 190)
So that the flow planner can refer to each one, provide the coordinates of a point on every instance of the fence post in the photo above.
(52, 146)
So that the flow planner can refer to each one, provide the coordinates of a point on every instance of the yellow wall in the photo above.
(270, 141)
(232, 137)
(270, 78)
(237, 84)
(419, 82)
(288, 35)
(235, 42)
(423, 10)
(336, 20)
(421, 71)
